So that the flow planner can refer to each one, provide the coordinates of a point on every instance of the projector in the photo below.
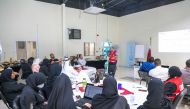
(94, 10)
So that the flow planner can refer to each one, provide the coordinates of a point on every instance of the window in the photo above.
(174, 41)
(89, 49)
(21, 44)
(25, 49)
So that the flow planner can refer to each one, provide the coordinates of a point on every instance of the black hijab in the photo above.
(30, 61)
(35, 79)
(45, 67)
(55, 69)
(155, 94)
(62, 95)
(109, 95)
(174, 71)
(46, 62)
(6, 76)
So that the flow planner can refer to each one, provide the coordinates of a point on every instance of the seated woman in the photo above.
(174, 85)
(155, 98)
(30, 96)
(109, 99)
(62, 95)
(9, 86)
(45, 66)
(55, 70)
(26, 68)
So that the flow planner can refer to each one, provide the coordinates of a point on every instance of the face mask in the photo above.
(40, 86)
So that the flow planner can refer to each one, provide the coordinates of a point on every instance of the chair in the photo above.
(144, 77)
(99, 75)
(179, 98)
(187, 95)
(4, 100)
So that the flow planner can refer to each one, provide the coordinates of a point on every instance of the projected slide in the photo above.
(174, 41)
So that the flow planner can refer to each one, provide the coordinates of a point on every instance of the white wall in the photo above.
(104, 25)
(141, 26)
(19, 20)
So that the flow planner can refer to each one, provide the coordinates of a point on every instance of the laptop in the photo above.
(89, 93)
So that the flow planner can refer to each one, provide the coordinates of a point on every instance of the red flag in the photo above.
(149, 54)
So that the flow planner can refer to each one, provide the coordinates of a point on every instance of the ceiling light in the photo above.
(94, 10)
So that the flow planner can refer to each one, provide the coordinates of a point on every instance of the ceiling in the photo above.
(115, 7)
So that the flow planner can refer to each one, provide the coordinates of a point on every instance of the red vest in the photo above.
(113, 56)
(179, 83)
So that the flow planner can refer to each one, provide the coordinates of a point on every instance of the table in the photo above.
(139, 96)
(134, 100)
(98, 64)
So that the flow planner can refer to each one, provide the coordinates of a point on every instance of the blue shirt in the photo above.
(147, 66)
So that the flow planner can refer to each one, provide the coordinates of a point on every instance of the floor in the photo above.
(124, 74)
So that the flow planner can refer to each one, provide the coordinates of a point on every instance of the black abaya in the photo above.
(30, 96)
(109, 97)
(62, 95)
(155, 95)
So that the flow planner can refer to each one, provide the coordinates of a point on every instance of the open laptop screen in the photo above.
(91, 91)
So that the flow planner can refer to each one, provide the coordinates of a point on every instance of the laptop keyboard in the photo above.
(82, 101)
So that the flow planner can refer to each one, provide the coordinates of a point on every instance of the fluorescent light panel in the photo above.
(94, 10)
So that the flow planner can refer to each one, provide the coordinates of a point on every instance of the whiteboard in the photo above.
(174, 41)
(139, 51)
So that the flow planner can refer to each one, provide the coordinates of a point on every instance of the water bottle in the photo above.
(84, 83)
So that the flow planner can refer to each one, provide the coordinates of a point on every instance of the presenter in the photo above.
(112, 61)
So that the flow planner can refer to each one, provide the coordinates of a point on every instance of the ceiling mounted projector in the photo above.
(94, 10)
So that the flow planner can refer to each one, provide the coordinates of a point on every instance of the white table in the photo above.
(138, 96)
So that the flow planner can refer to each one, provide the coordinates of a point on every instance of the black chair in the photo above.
(144, 77)
(187, 95)
(4, 100)
(99, 75)
(179, 98)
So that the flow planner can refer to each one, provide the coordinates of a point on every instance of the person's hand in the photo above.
(88, 105)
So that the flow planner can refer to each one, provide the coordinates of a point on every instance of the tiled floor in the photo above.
(124, 74)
